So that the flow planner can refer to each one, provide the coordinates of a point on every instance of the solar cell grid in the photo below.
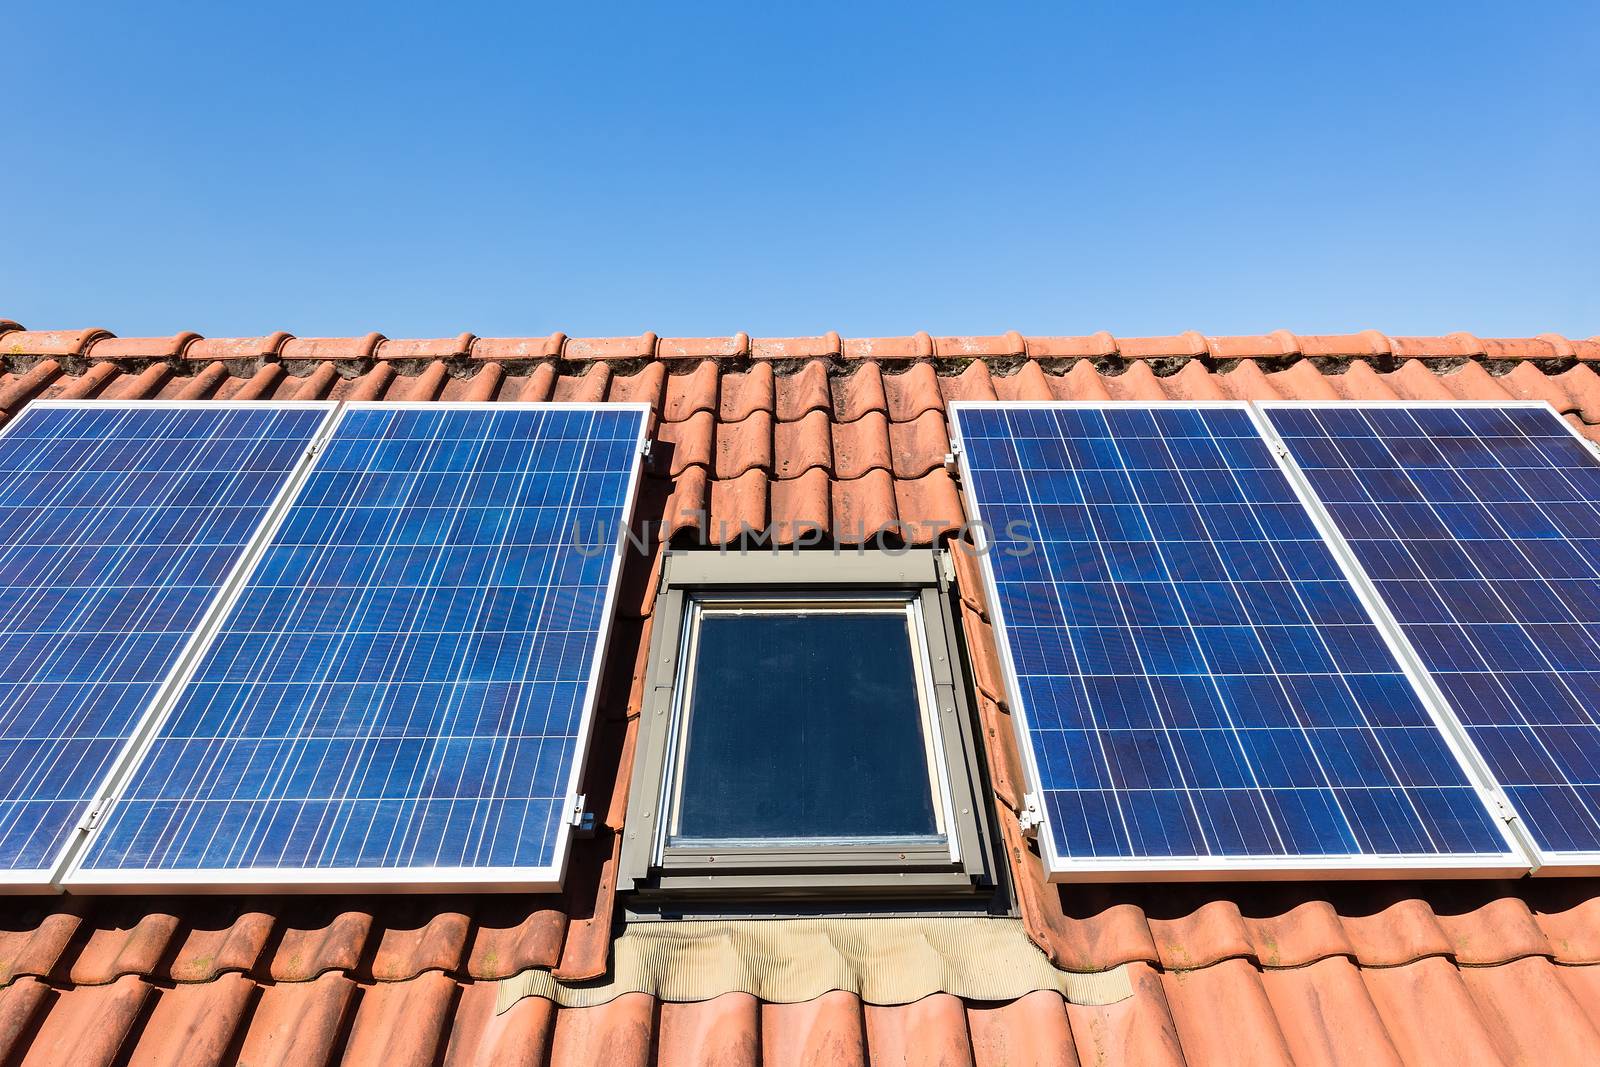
(1200, 682)
(119, 525)
(1480, 528)
(400, 689)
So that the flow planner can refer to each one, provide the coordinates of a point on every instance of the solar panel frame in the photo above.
(1515, 860)
(1545, 862)
(80, 878)
(49, 879)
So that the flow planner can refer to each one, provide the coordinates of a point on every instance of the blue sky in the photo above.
(788, 169)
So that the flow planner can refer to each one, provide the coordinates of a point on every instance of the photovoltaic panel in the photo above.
(120, 523)
(401, 690)
(1200, 686)
(1480, 527)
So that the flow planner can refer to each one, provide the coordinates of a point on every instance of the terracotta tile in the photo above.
(917, 346)
(440, 348)
(21, 388)
(1193, 382)
(864, 509)
(1302, 381)
(1304, 933)
(229, 936)
(733, 347)
(237, 349)
(319, 939)
(679, 445)
(127, 939)
(425, 386)
(34, 940)
(537, 385)
(1365, 343)
(857, 393)
(824, 346)
(619, 1034)
(1247, 381)
(1326, 1016)
(1471, 382)
(643, 386)
(49, 342)
(689, 505)
(801, 508)
(90, 1027)
(1082, 382)
(825, 1031)
(723, 1031)
(804, 444)
(746, 392)
(586, 387)
(1029, 382)
(929, 506)
(1412, 380)
(744, 446)
(1252, 346)
(931, 1030)
(518, 349)
(911, 392)
(402, 1024)
(1531, 1014)
(1097, 345)
(83, 386)
(317, 384)
(433, 937)
(584, 348)
(974, 382)
(1499, 931)
(1205, 936)
(588, 901)
(1031, 1031)
(1137, 382)
(1003, 345)
(1361, 382)
(1139, 1030)
(195, 1025)
(23, 1004)
(857, 447)
(1191, 343)
(300, 1024)
(337, 348)
(1573, 934)
(920, 445)
(481, 1038)
(1412, 1000)
(205, 383)
(108, 347)
(371, 385)
(1246, 1033)
(804, 390)
(690, 391)
(736, 505)
(260, 385)
(483, 385)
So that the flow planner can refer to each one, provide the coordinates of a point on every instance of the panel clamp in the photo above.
(95, 813)
(1029, 816)
(582, 821)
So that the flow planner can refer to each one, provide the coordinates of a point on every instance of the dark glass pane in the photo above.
(805, 728)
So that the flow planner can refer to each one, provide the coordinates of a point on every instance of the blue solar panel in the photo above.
(401, 688)
(1480, 527)
(1201, 686)
(119, 524)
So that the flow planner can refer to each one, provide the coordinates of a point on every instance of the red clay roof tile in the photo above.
(796, 432)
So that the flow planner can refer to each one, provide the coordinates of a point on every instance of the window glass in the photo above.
(805, 726)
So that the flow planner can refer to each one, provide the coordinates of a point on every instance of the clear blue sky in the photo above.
(789, 169)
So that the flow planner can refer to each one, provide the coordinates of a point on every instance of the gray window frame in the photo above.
(919, 578)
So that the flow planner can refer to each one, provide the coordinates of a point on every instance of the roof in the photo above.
(848, 434)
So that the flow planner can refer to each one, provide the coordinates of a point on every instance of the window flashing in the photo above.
(961, 862)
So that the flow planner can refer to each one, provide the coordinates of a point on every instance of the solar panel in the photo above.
(1480, 527)
(402, 689)
(119, 526)
(1199, 686)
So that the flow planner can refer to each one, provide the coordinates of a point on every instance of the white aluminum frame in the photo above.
(1547, 862)
(394, 879)
(49, 880)
(1513, 861)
